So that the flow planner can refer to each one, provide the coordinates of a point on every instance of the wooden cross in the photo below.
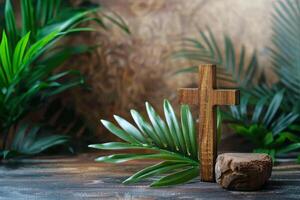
(208, 97)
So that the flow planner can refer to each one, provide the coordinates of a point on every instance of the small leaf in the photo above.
(28, 18)
(119, 132)
(273, 108)
(160, 127)
(6, 58)
(268, 139)
(119, 158)
(289, 148)
(188, 131)
(10, 24)
(117, 146)
(130, 129)
(19, 53)
(178, 177)
(146, 128)
(174, 127)
(160, 168)
(39, 47)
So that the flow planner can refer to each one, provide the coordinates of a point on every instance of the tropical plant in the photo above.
(173, 141)
(42, 17)
(230, 68)
(32, 140)
(29, 54)
(285, 53)
(268, 129)
(284, 57)
(24, 86)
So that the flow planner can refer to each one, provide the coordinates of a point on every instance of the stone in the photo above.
(243, 171)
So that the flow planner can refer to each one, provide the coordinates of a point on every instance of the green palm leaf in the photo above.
(19, 53)
(117, 146)
(28, 17)
(188, 131)
(10, 24)
(174, 128)
(130, 129)
(159, 126)
(39, 47)
(146, 128)
(264, 113)
(119, 132)
(285, 54)
(265, 125)
(177, 177)
(27, 142)
(47, 11)
(160, 168)
(5, 58)
(179, 148)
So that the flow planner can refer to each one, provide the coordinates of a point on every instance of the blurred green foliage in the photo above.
(29, 55)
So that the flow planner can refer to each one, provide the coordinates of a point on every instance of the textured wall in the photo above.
(131, 69)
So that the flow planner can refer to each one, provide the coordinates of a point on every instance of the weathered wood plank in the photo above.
(81, 178)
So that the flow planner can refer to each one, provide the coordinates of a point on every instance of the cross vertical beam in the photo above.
(208, 97)
(207, 122)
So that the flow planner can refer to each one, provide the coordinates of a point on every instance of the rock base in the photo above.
(243, 171)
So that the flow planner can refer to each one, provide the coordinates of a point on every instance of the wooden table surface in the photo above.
(79, 177)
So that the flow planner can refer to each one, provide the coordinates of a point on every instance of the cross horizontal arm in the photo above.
(226, 97)
(188, 96)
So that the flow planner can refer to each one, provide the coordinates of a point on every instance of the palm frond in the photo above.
(5, 61)
(28, 141)
(286, 47)
(10, 24)
(265, 113)
(173, 142)
(22, 83)
(231, 69)
(47, 11)
(115, 19)
(22, 56)
(265, 125)
(28, 17)
(157, 169)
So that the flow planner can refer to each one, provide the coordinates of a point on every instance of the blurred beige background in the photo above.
(131, 69)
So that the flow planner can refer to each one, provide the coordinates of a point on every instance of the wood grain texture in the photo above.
(188, 96)
(78, 178)
(208, 97)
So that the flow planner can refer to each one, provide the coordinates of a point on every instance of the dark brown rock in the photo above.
(243, 171)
